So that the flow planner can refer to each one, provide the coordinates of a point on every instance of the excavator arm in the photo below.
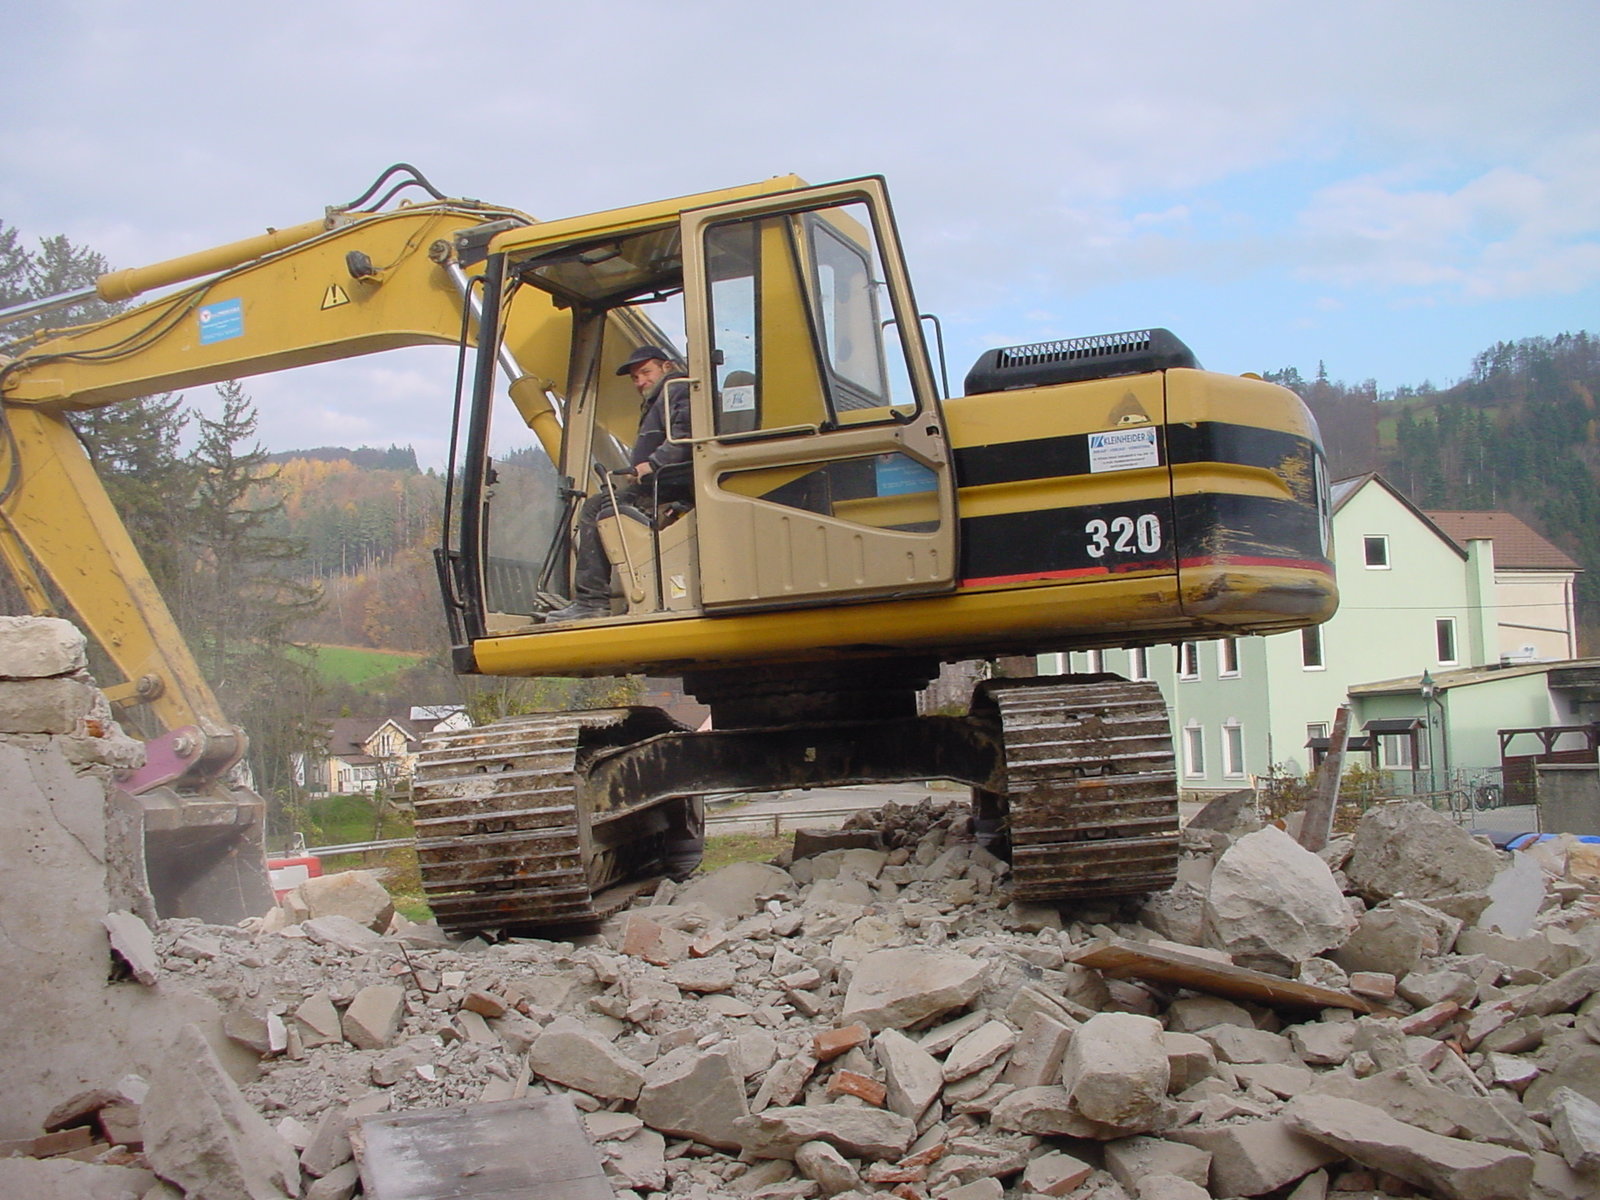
(354, 282)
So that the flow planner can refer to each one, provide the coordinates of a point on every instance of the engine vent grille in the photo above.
(1076, 349)
(1073, 360)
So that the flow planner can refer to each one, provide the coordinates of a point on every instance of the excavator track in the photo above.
(504, 838)
(1091, 796)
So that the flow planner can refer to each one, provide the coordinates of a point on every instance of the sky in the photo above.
(1385, 188)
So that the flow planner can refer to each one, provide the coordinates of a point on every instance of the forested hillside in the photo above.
(1521, 433)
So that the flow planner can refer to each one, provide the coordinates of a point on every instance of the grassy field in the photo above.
(335, 820)
(356, 665)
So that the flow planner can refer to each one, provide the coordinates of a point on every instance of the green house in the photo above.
(1477, 602)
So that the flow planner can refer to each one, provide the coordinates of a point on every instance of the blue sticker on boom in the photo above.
(219, 322)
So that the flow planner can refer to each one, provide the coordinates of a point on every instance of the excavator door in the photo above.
(821, 458)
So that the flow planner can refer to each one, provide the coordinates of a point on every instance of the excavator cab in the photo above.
(821, 469)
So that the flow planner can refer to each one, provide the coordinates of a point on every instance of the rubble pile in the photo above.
(1408, 1013)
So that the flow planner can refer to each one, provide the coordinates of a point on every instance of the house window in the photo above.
(1139, 663)
(1233, 750)
(1188, 660)
(1194, 751)
(1317, 729)
(1311, 647)
(1228, 657)
(1375, 548)
(1444, 636)
(1395, 750)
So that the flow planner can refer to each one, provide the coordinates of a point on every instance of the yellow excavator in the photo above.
(850, 526)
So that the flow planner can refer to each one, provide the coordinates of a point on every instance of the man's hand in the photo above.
(641, 470)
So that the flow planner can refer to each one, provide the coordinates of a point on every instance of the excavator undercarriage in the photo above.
(528, 822)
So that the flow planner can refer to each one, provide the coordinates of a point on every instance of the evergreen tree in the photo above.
(236, 592)
(238, 601)
(135, 448)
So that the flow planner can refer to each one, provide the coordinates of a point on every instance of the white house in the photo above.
(365, 754)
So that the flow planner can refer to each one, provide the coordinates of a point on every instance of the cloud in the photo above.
(1507, 232)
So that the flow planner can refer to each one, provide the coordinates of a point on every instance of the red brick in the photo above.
(850, 1083)
(484, 1004)
(831, 1043)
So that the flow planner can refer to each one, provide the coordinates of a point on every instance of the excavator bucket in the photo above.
(202, 853)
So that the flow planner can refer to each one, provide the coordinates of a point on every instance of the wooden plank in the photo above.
(529, 1149)
(1122, 959)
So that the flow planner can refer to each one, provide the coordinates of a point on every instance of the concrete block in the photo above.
(1055, 1174)
(38, 647)
(46, 705)
(373, 1019)
(1256, 1157)
(1457, 1169)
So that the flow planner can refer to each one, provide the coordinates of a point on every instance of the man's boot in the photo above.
(580, 609)
(591, 584)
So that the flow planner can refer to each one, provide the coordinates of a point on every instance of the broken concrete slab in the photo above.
(1575, 1120)
(372, 1021)
(1055, 1173)
(568, 1052)
(859, 1132)
(696, 1094)
(1036, 1059)
(978, 1049)
(67, 1179)
(341, 933)
(1250, 914)
(1457, 1169)
(1256, 1157)
(738, 890)
(330, 1143)
(1516, 894)
(200, 1133)
(900, 989)
(1385, 941)
(338, 1184)
(913, 1077)
(1131, 1159)
(357, 895)
(704, 976)
(1169, 1187)
(133, 945)
(318, 1021)
(1116, 1071)
(534, 1146)
(832, 1171)
(39, 647)
(1409, 850)
(1235, 1045)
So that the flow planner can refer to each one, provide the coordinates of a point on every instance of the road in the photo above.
(827, 808)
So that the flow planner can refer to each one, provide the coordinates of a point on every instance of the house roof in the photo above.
(1467, 676)
(347, 736)
(1516, 545)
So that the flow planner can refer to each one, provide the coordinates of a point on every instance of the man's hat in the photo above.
(645, 354)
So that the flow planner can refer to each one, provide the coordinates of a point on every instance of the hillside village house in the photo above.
(368, 753)
(1452, 627)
